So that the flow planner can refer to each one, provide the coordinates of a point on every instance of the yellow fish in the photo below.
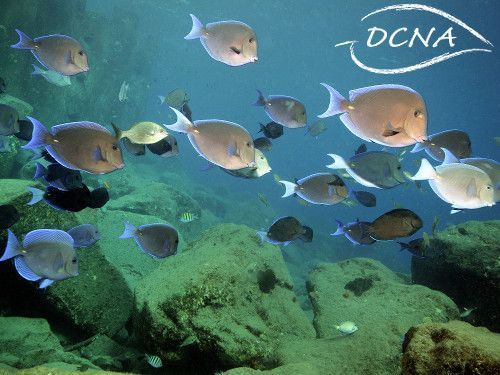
(187, 217)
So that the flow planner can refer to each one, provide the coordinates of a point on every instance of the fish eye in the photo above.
(251, 40)
(248, 144)
(73, 260)
(399, 167)
(115, 147)
(488, 187)
(176, 241)
(417, 113)
(80, 53)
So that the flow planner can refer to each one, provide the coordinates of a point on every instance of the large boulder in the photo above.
(225, 301)
(462, 260)
(381, 304)
(97, 301)
(29, 342)
(451, 348)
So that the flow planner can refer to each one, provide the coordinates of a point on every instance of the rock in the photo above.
(451, 348)
(379, 302)
(224, 302)
(79, 301)
(29, 342)
(462, 260)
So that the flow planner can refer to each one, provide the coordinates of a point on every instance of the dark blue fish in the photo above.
(8, 216)
(59, 177)
(357, 232)
(73, 200)
(156, 240)
(84, 235)
(25, 130)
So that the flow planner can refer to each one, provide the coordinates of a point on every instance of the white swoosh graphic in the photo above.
(426, 63)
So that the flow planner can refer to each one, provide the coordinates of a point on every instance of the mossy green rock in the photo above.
(381, 304)
(461, 260)
(451, 348)
(225, 297)
(28, 342)
(97, 301)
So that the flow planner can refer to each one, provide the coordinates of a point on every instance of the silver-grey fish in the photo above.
(284, 110)
(51, 76)
(84, 145)
(222, 143)
(45, 254)
(456, 141)
(56, 52)
(316, 129)
(84, 235)
(8, 120)
(377, 169)
(231, 42)
(156, 240)
(144, 133)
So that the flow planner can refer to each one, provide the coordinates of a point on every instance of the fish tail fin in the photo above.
(13, 247)
(363, 197)
(162, 99)
(40, 136)
(36, 70)
(449, 157)
(426, 171)
(36, 195)
(129, 230)
(290, 188)
(25, 42)
(338, 162)
(182, 125)
(262, 236)
(39, 172)
(197, 30)
(340, 229)
(419, 146)
(261, 101)
(403, 245)
(117, 130)
(337, 102)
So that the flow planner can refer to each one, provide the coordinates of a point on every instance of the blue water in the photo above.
(296, 52)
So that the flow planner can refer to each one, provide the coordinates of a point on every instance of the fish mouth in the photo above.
(120, 165)
(255, 59)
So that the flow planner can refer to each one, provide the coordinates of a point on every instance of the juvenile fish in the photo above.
(456, 141)
(51, 76)
(58, 176)
(391, 115)
(84, 145)
(272, 130)
(284, 110)
(46, 255)
(145, 132)
(222, 143)
(84, 235)
(73, 200)
(231, 42)
(56, 52)
(263, 144)
(284, 230)
(156, 240)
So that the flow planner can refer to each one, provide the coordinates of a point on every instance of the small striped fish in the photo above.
(153, 360)
(187, 217)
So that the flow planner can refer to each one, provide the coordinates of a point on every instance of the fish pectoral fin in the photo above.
(97, 154)
(235, 50)
(232, 150)
(69, 58)
(472, 188)
(390, 131)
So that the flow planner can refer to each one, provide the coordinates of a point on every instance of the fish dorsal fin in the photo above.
(24, 271)
(235, 50)
(353, 94)
(472, 188)
(360, 149)
(79, 125)
(449, 157)
(47, 235)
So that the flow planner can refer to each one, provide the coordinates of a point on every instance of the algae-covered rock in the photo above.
(451, 348)
(24, 109)
(225, 300)
(27, 342)
(464, 263)
(379, 302)
(96, 301)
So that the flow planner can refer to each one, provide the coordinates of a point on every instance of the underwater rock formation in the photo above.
(96, 301)
(27, 342)
(384, 310)
(450, 348)
(463, 262)
(224, 301)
